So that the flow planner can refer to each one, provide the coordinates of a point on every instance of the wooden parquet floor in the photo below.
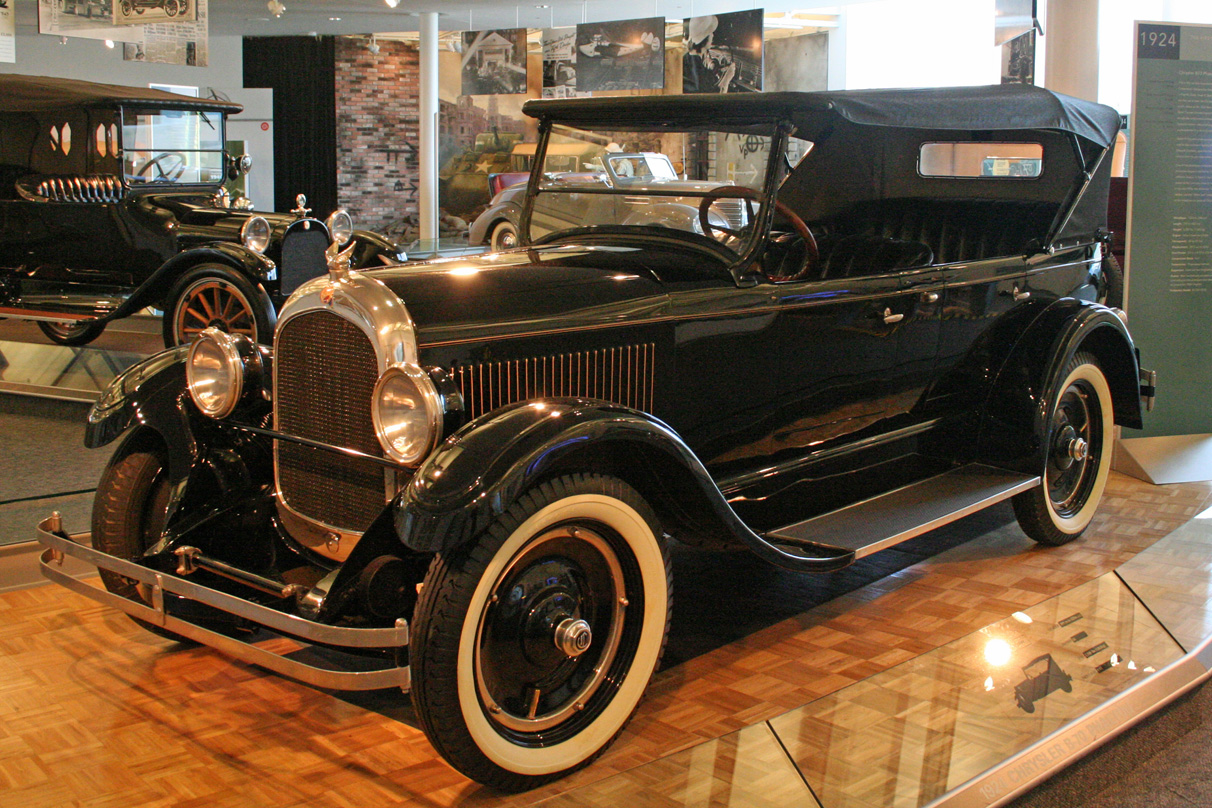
(95, 711)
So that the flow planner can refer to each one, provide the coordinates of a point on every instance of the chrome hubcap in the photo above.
(573, 637)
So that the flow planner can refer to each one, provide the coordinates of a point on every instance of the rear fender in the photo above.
(1015, 417)
(483, 469)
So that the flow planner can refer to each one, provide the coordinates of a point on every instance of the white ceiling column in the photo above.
(428, 126)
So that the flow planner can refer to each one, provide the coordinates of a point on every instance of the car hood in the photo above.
(525, 291)
(199, 218)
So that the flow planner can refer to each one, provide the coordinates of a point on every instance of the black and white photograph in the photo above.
(723, 53)
(560, 63)
(86, 20)
(1018, 60)
(621, 55)
(494, 62)
(143, 12)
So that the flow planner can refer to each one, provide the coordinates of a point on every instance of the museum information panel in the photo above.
(1170, 230)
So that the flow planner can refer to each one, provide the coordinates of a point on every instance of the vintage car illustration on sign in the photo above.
(112, 200)
(464, 472)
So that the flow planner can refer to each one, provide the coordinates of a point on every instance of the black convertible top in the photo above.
(1005, 107)
(45, 94)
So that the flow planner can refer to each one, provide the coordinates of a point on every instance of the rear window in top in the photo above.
(982, 160)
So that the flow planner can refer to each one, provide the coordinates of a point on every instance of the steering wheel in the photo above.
(813, 255)
(171, 172)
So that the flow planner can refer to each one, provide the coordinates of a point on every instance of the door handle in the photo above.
(1018, 294)
(929, 297)
(891, 318)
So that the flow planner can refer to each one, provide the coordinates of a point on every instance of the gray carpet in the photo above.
(43, 458)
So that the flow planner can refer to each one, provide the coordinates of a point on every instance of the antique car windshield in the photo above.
(695, 184)
(179, 147)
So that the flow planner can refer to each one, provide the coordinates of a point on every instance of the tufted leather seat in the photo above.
(954, 229)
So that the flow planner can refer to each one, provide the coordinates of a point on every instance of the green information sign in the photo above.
(1170, 223)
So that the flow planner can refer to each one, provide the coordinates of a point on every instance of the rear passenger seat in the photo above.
(894, 234)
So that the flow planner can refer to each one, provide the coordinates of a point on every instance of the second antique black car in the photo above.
(112, 200)
(464, 473)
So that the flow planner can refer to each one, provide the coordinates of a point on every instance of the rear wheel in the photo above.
(504, 237)
(129, 513)
(1079, 441)
(533, 644)
(71, 333)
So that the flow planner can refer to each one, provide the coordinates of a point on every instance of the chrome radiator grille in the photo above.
(734, 211)
(622, 375)
(325, 372)
(302, 257)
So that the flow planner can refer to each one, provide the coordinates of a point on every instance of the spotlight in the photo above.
(109, 43)
(276, 7)
(373, 46)
(392, 3)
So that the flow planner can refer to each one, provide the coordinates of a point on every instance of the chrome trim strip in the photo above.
(731, 485)
(295, 627)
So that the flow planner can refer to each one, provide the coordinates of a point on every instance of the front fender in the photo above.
(375, 250)
(1016, 413)
(150, 394)
(484, 468)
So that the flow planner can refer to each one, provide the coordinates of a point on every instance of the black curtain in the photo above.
(301, 70)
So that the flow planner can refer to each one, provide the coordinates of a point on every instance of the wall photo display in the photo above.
(723, 53)
(621, 55)
(494, 62)
(560, 63)
(144, 12)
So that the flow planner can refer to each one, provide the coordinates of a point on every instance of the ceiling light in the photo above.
(276, 7)
(109, 43)
(392, 3)
(373, 46)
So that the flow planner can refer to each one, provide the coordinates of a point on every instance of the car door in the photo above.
(853, 352)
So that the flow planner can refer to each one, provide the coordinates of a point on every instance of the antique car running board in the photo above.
(293, 628)
(874, 524)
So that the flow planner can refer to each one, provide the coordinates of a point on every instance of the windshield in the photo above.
(694, 184)
(178, 147)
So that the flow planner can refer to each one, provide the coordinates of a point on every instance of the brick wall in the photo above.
(377, 112)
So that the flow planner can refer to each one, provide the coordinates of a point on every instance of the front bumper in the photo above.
(300, 631)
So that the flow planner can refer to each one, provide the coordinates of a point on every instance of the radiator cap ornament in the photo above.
(338, 261)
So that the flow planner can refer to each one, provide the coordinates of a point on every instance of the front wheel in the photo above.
(215, 296)
(1079, 442)
(71, 333)
(533, 644)
(129, 512)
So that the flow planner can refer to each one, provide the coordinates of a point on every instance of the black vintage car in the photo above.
(112, 200)
(463, 473)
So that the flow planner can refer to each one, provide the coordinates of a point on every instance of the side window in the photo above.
(984, 160)
(61, 138)
(101, 140)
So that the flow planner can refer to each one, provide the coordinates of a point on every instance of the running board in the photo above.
(58, 308)
(880, 522)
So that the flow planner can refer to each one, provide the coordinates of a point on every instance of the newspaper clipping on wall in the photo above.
(174, 43)
(8, 32)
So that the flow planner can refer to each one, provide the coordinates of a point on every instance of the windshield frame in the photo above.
(743, 267)
(207, 116)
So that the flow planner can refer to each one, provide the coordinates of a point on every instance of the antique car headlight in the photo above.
(255, 234)
(407, 413)
(215, 371)
(340, 226)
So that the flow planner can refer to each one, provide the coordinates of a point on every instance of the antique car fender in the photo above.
(480, 471)
(149, 404)
(1014, 418)
(375, 250)
(256, 267)
(504, 210)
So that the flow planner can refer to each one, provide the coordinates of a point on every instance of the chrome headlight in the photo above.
(407, 411)
(215, 370)
(255, 234)
(340, 226)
